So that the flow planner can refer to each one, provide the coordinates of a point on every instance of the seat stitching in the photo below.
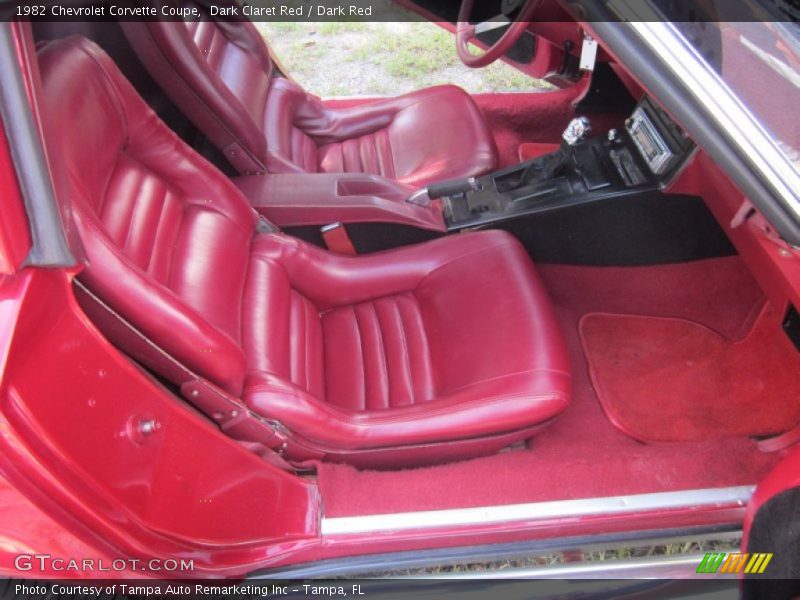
(309, 325)
(404, 343)
(426, 350)
(382, 349)
(295, 369)
(363, 153)
(170, 260)
(157, 227)
(361, 353)
(166, 290)
(390, 171)
(131, 218)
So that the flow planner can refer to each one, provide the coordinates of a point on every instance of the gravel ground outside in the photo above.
(556, 558)
(333, 59)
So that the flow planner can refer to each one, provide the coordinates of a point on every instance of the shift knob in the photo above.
(577, 131)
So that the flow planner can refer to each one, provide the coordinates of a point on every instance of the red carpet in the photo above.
(518, 118)
(529, 150)
(539, 117)
(672, 380)
(582, 454)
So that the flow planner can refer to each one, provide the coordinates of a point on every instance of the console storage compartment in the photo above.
(303, 199)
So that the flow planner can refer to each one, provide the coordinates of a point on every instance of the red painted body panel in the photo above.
(26, 529)
(15, 239)
(170, 495)
(773, 263)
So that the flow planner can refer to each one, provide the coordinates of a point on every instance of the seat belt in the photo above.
(232, 416)
(780, 442)
(337, 240)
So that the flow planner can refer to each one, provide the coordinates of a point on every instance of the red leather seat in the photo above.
(222, 77)
(424, 353)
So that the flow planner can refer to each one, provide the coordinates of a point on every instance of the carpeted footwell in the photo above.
(673, 380)
(581, 454)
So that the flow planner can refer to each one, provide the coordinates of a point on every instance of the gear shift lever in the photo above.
(577, 131)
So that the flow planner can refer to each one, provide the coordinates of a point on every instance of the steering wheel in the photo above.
(466, 31)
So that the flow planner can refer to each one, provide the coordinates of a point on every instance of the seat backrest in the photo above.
(218, 73)
(167, 237)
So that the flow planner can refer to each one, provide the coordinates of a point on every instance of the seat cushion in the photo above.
(430, 135)
(377, 354)
(438, 343)
(434, 134)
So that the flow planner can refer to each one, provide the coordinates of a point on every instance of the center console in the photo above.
(625, 162)
(314, 199)
(600, 189)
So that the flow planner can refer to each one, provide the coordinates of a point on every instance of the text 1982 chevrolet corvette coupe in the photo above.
(264, 332)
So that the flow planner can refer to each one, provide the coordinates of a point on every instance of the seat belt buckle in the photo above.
(337, 240)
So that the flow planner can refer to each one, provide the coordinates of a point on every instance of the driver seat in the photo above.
(222, 77)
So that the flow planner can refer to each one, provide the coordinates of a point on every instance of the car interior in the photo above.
(431, 301)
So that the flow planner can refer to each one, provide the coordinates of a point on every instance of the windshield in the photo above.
(760, 62)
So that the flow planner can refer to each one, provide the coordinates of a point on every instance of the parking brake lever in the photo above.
(453, 187)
